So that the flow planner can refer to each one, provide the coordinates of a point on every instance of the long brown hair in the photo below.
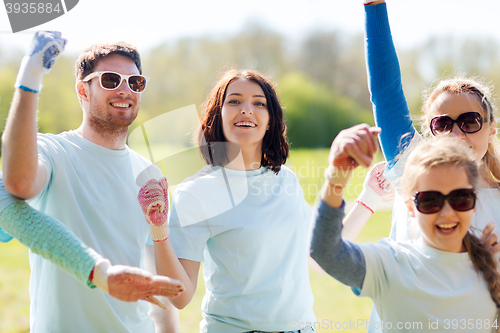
(210, 136)
(448, 151)
(490, 166)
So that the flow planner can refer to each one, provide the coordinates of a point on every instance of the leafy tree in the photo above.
(314, 114)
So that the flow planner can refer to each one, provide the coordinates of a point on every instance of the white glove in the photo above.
(376, 188)
(44, 49)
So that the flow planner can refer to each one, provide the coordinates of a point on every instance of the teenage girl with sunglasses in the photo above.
(456, 107)
(427, 284)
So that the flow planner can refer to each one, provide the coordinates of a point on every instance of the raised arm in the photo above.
(24, 176)
(376, 190)
(390, 108)
(340, 258)
(153, 198)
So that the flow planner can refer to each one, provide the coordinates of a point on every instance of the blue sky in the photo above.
(147, 23)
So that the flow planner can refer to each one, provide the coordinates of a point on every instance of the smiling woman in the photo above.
(244, 215)
(244, 96)
(245, 119)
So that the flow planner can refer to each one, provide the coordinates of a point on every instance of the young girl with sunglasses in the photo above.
(244, 215)
(454, 107)
(427, 284)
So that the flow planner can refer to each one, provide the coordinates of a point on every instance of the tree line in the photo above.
(321, 78)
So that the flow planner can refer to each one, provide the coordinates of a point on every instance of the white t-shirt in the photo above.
(251, 230)
(417, 288)
(93, 191)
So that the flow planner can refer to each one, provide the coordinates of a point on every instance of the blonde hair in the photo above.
(490, 162)
(451, 152)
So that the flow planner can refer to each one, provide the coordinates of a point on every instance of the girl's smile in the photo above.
(446, 229)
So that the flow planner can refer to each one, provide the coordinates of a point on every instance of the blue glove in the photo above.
(44, 49)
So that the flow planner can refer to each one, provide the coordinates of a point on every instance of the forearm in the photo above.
(342, 260)
(355, 221)
(390, 108)
(19, 145)
(49, 238)
(168, 264)
(166, 320)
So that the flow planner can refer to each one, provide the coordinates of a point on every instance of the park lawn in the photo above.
(335, 305)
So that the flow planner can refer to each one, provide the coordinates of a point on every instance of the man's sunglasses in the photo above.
(430, 202)
(112, 80)
(469, 122)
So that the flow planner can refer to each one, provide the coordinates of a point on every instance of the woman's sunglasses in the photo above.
(112, 80)
(430, 202)
(469, 122)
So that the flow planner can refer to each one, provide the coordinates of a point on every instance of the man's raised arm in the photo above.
(24, 176)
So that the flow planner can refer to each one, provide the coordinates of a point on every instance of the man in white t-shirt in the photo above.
(86, 178)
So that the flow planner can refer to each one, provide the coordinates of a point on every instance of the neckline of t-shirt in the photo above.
(89, 145)
(428, 250)
(241, 173)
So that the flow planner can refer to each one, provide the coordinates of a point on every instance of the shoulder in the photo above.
(138, 159)
(387, 248)
(203, 178)
(52, 143)
(285, 173)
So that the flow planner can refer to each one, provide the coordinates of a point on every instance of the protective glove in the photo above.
(44, 49)
(376, 188)
(130, 284)
(153, 198)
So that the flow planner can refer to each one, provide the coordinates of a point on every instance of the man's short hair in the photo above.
(88, 60)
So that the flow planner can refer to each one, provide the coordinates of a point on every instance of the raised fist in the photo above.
(153, 198)
(41, 55)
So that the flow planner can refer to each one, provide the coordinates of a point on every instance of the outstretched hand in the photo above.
(153, 198)
(130, 284)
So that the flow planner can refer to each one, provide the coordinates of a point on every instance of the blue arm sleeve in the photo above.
(49, 238)
(390, 108)
(340, 258)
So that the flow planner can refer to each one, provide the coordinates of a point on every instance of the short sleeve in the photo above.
(382, 267)
(46, 149)
(190, 233)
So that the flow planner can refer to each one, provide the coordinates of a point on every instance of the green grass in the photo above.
(334, 304)
(14, 278)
